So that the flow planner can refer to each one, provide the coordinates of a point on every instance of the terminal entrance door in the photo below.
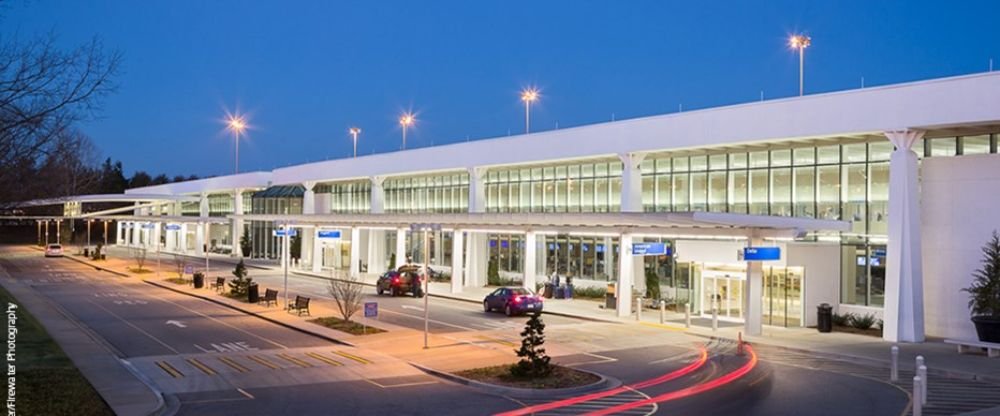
(782, 302)
(722, 288)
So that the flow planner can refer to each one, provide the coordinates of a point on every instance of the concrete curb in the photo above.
(97, 266)
(254, 314)
(603, 384)
(461, 299)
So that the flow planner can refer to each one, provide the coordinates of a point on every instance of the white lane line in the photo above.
(465, 328)
(135, 327)
(245, 393)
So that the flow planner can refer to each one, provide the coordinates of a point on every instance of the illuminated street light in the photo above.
(406, 120)
(529, 96)
(237, 124)
(800, 42)
(354, 132)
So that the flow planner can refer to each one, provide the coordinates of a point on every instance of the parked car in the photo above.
(53, 250)
(400, 282)
(512, 301)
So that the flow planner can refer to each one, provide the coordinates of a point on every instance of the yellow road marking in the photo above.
(201, 366)
(263, 362)
(330, 361)
(294, 360)
(349, 356)
(662, 326)
(234, 365)
(169, 369)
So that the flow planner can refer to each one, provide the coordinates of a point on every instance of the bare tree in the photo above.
(179, 263)
(139, 255)
(346, 293)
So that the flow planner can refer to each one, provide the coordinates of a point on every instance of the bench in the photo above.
(301, 305)
(270, 295)
(219, 285)
(992, 349)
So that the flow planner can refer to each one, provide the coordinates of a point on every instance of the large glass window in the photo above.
(976, 145)
(586, 187)
(439, 193)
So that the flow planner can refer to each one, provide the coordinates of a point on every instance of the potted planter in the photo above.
(984, 293)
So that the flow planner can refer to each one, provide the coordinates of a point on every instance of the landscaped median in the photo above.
(45, 381)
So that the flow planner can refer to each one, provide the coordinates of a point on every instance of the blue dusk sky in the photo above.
(306, 71)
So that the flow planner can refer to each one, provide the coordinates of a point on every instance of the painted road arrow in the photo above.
(177, 323)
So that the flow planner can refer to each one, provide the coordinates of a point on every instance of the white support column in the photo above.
(156, 235)
(119, 234)
(625, 276)
(477, 244)
(182, 238)
(203, 205)
(530, 253)
(208, 237)
(237, 224)
(199, 239)
(355, 268)
(400, 248)
(457, 254)
(903, 313)
(631, 196)
(376, 251)
(135, 233)
(753, 293)
(317, 251)
(477, 189)
(377, 195)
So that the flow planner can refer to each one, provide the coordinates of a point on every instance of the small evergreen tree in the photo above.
(245, 244)
(493, 272)
(241, 283)
(984, 292)
(295, 249)
(534, 362)
(652, 284)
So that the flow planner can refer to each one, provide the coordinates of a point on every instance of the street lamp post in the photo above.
(237, 124)
(106, 232)
(406, 121)
(355, 131)
(529, 96)
(426, 228)
(88, 232)
(800, 42)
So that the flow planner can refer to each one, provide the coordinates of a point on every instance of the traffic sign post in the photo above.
(371, 311)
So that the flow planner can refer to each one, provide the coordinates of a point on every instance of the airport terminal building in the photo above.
(878, 199)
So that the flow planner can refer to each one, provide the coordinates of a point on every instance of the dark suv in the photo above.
(400, 282)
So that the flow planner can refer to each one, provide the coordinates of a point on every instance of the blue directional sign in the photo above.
(281, 233)
(148, 225)
(188, 269)
(761, 253)
(650, 249)
(371, 309)
(331, 234)
(173, 227)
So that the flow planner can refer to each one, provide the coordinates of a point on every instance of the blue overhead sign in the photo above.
(761, 253)
(281, 233)
(173, 227)
(148, 225)
(650, 249)
(331, 234)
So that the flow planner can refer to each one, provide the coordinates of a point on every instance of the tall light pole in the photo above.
(106, 232)
(406, 120)
(529, 96)
(88, 232)
(800, 42)
(354, 132)
(237, 124)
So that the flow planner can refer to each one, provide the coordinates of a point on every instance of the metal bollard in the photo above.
(663, 311)
(922, 372)
(687, 315)
(894, 371)
(638, 308)
(920, 361)
(918, 401)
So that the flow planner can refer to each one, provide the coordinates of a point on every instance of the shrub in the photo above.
(842, 320)
(984, 292)
(96, 254)
(241, 283)
(493, 273)
(863, 322)
(589, 292)
(245, 244)
(534, 362)
(652, 285)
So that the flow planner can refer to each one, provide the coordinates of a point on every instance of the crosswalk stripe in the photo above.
(294, 360)
(165, 366)
(352, 357)
(327, 360)
(234, 365)
(263, 362)
(201, 366)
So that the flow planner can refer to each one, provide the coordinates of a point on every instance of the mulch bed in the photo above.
(561, 377)
(349, 327)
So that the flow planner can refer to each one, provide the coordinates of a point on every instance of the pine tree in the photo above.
(534, 362)
(241, 284)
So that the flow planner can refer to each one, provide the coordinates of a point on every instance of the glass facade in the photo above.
(439, 193)
(273, 200)
(346, 197)
(577, 187)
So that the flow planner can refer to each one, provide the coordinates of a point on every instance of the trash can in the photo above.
(199, 280)
(824, 317)
(253, 293)
(610, 302)
(560, 292)
(86, 252)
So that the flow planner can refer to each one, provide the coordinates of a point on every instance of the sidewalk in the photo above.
(941, 358)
